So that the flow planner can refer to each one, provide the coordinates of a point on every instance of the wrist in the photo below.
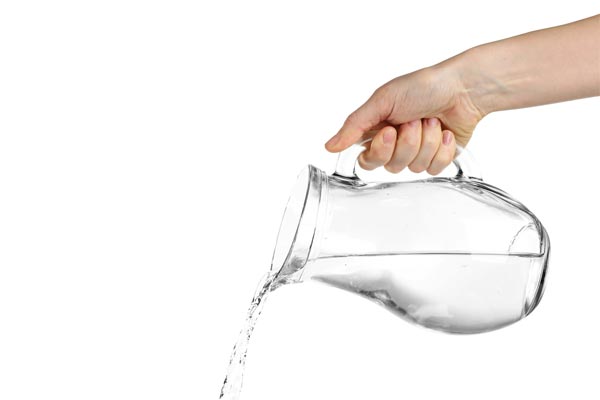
(463, 77)
(500, 76)
(478, 83)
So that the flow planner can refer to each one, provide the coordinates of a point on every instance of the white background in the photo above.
(147, 150)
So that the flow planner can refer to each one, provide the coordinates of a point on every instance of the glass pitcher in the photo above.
(452, 254)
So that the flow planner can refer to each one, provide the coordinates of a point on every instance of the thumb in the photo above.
(368, 116)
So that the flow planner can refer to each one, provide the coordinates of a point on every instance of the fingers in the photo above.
(444, 155)
(430, 142)
(422, 145)
(407, 146)
(380, 150)
(376, 110)
(418, 145)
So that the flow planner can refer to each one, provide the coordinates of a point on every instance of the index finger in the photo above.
(369, 116)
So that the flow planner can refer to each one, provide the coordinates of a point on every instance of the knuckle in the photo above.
(351, 119)
(440, 162)
(382, 99)
(373, 152)
(381, 155)
(378, 154)
(430, 140)
(444, 160)
(364, 165)
(428, 77)
(393, 168)
(364, 158)
(380, 93)
(434, 170)
(410, 140)
(416, 167)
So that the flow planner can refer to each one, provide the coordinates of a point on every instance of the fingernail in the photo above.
(332, 141)
(432, 121)
(447, 138)
(388, 137)
(413, 123)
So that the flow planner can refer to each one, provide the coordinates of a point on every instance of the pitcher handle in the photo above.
(346, 163)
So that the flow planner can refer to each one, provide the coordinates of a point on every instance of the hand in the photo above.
(415, 121)
(540, 67)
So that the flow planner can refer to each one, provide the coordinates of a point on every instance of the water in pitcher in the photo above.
(456, 293)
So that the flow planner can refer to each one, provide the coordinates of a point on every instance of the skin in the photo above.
(416, 120)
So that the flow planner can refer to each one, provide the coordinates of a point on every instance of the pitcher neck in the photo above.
(306, 237)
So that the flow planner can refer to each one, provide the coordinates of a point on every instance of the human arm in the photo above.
(546, 66)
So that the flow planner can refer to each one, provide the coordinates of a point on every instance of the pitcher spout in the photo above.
(298, 226)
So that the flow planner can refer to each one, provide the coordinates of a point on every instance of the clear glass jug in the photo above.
(452, 254)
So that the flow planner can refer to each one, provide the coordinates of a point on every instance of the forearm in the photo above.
(541, 67)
